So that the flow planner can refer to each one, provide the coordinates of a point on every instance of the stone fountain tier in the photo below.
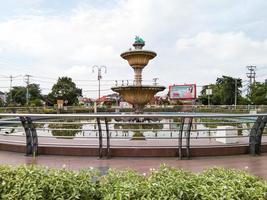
(138, 96)
(138, 58)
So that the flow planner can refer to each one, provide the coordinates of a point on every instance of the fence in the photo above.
(164, 108)
(176, 134)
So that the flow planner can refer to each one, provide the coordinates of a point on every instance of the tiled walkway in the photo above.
(253, 164)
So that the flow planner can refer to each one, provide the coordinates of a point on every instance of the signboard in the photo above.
(183, 92)
(208, 91)
(60, 104)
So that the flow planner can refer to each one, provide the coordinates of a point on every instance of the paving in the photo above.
(255, 165)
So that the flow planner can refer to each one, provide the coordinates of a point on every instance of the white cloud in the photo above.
(224, 46)
(196, 41)
(78, 70)
(228, 52)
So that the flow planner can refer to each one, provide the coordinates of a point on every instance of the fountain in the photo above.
(137, 94)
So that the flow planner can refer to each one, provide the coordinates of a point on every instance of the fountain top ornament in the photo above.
(138, 43)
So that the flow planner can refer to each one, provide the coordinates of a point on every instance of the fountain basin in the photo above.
(139, 129)
(138, 58)
(138, 96)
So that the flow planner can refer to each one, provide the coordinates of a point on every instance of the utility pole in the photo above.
(99, 76)
(10, 86)
(27, 80)
(251, 75)
(235, 92)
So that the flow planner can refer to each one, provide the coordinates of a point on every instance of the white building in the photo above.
(3, 96)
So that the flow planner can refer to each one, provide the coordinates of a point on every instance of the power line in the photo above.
(96, 90)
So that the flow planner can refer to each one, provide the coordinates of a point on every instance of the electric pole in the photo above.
(27, 80)
(235, 92)
(10, 86)
(251, 75)
(99, 76)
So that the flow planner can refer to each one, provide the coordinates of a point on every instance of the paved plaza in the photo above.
(255, 165)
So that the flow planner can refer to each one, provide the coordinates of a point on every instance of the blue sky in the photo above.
(196, 40)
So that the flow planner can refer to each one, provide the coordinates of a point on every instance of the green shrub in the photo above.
(49, 111)
(42, 183)
(122, 185)
(218, 183)
(30, 182)
(69, 134)
(169, 183)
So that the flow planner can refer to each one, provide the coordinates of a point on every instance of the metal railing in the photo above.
(180, 131)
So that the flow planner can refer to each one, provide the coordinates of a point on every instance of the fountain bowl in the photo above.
(138, 96)
(138, 58)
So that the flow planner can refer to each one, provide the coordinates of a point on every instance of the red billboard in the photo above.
(183, 92)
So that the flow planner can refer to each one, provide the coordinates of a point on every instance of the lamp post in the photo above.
(99, 76)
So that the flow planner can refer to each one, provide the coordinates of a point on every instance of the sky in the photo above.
(196, 41)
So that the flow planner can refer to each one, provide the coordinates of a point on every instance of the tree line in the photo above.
(225, 91)
(64, 89)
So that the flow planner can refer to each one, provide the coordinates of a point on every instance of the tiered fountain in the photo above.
(137, 94)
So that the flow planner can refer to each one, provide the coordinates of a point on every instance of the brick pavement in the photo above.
(255, 165)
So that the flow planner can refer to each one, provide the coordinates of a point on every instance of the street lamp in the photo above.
(99, 76)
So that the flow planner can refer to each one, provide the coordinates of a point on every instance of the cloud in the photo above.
(195, 41)
(225, 47)
(228, 52)
(78, 70)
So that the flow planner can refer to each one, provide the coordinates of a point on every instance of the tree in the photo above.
(223, 91)
(34, 92)
(65, 89)
(18, 94)
(258, 94)
(227, 88)
(2, 103)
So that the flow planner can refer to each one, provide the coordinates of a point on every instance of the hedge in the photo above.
(31, 182)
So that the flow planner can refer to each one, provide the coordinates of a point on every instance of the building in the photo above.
(3, 97)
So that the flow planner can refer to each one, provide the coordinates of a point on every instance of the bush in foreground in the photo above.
(29, 182)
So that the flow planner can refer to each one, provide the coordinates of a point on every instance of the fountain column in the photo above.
(137, 76)
(138, 68)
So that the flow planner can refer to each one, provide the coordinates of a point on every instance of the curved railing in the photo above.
(176, 134)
